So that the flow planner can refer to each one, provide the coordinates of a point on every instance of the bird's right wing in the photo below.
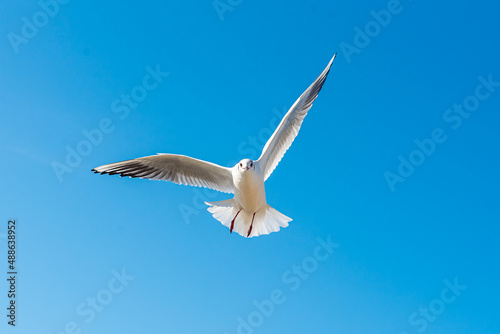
(289, 127)
(179, 169)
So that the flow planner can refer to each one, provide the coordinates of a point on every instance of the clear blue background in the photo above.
(226, 78)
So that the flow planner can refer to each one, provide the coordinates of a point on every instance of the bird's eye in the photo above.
(251, 164)
(241, 165)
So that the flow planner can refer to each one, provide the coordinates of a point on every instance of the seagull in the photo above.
(247, 213)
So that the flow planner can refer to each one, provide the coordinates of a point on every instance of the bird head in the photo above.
(246, 165)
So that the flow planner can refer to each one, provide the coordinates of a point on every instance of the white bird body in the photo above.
(250, 193)
(247, 213)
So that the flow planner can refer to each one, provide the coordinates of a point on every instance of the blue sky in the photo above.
(392, 183)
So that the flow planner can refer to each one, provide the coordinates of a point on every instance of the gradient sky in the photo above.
(403, 233)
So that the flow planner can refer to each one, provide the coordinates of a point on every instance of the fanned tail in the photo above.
(223, 211)
(266, 220)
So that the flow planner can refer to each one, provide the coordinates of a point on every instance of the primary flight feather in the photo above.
(247, 213)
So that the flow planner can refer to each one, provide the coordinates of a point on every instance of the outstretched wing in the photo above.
(289, 127)
(179, 169)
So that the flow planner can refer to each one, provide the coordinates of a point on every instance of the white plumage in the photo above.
(247, 213)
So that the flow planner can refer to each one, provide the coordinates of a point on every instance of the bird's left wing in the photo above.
(289, 127)
(179, 169)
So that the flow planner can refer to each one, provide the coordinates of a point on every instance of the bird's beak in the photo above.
(247, 168)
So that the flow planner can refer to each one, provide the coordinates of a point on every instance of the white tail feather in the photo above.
(266, 220)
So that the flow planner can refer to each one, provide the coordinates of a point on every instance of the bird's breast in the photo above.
(250, 193)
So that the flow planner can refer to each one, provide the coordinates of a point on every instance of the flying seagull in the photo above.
(248, 212)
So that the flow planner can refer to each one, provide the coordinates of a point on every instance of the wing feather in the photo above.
(179, 169)
(289, 126)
